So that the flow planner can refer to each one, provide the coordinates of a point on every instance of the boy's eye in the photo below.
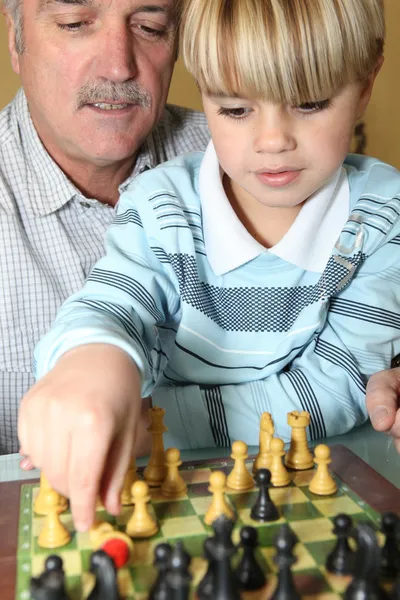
(234, 113)
(308, 107)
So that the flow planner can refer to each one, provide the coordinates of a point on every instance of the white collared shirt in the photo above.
(229, 244)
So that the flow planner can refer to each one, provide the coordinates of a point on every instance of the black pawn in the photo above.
(221, 549)
(206, 585)
(103, 568)
(364, 585)
(50, 585)
(284, 543)
(390, 559)
(264, 509)
(341, 560)
(162, 555)
(178, 576)
(248, 572)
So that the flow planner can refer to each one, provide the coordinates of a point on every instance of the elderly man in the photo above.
(90, 116)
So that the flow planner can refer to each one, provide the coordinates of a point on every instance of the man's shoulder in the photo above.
(6, 125)
(179, 131)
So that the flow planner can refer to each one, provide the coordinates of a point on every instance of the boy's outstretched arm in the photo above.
(78, 425)
(383, 402)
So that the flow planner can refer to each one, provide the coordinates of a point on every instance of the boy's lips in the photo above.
(278, 177)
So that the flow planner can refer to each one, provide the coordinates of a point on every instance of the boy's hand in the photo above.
(383, 403)
(78, 424)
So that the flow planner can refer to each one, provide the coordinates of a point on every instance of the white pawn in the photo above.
(141, 524)
(54, 533)
(173, 486)
(239, 478)
(279, 475)
(322, 483)
(219, 505)
(263, 458)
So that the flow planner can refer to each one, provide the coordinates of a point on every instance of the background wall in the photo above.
(382, 118)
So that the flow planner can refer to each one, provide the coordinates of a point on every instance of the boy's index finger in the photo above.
(87, 461)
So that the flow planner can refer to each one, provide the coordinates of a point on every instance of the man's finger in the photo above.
(382, 398)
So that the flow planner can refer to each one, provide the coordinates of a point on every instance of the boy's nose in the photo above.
(274, 133)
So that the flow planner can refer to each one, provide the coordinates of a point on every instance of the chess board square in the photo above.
(334, 505)
(311, 582)
(194, 544)
(302, 510)
(320, 550)
(157, 496)
(142, 577)
(169, 510)
(143, 550)
(72, 562)
(338, 583)
(287, 495)
(313, 530)
(178, 527)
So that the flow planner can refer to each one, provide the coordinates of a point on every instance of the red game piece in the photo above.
(118, 550)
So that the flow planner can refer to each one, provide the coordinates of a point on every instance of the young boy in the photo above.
(262, 276)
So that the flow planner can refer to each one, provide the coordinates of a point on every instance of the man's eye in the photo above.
(234, 113)
(152, 31)
(309, 107)
(73, 26)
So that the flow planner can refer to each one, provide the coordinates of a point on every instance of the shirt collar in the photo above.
(52, 188)
(229, 245)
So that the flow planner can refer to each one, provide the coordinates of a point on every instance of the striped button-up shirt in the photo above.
(51, 236)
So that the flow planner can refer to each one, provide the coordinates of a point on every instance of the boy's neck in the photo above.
(265, 224)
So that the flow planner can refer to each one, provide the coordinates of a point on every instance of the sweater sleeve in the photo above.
(328, 378)
(130, 292)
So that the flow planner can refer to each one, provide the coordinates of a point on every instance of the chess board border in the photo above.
(361, 478)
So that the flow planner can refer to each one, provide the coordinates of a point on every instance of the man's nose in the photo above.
(274, 132)
(116, 60)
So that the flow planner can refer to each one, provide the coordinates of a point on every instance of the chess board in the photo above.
(362, 493)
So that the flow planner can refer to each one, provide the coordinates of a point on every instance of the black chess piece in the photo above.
(221, 549)
(341, 560)
(364, 585)
(264, 509)
(284, 543)
(162, 556)
(103, 568)
(50, 585)
(178, 577)
(390, 557)
(248, 572)
(206, 585)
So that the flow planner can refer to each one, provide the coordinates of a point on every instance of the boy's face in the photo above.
(277, 155)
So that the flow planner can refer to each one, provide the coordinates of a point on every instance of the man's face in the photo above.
(96, 73)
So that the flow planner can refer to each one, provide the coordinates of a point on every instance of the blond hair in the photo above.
(290, 51)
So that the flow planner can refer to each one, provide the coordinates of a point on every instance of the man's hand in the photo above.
(78, 424)
(383, 403)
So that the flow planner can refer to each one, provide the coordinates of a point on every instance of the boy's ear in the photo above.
(12, 49)
(368, 86)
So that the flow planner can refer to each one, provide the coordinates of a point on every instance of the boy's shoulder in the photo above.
(374, 201)
(177, 177)
(370, 177)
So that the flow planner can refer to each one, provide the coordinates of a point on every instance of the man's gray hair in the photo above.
(14, 9)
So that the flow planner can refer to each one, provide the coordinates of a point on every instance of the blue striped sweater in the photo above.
(218, 350)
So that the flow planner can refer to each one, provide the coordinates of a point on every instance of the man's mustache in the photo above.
(128, 92)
